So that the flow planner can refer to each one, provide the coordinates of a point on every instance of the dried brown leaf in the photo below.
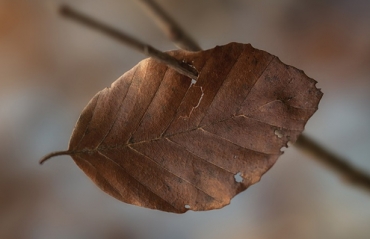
(158, 140)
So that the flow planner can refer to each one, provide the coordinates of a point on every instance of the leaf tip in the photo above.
(53, 154)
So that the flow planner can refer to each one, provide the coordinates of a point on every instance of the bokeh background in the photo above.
(50, 68)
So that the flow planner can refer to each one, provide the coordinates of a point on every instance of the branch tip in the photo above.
(148, 50)
(169, 26)
(64, 10)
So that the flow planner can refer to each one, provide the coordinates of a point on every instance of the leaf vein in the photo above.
(246, 97)
(88, 124)
(182, 100)
(227, 140)
(223, 81)
(200, 156)
(166, 169)
(117, 113)
(151, 101)
(137, 180)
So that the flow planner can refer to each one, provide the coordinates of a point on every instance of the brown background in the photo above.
(51, 67)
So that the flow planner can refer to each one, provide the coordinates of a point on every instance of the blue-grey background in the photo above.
(51, 67)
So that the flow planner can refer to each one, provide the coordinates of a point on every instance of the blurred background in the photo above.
(51, 67)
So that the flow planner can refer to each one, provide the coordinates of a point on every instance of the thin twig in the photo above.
(148, 50)
(172, 30)
(336, 163)
(304, 143)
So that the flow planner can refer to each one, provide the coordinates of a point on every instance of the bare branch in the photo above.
(148, 50)
(172, 30)
(336, 163)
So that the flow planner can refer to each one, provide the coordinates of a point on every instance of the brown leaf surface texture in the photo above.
(158, 140)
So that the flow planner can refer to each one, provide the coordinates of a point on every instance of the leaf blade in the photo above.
(155, 139)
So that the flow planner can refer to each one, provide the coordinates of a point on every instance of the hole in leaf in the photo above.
(187, 206)
(238, 177)
(279, 133)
